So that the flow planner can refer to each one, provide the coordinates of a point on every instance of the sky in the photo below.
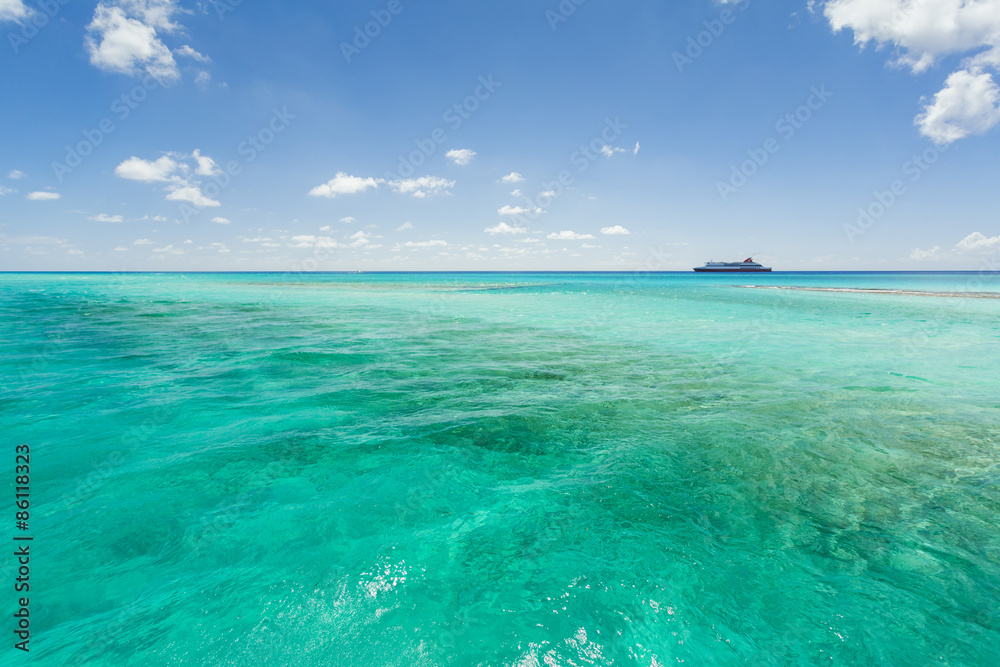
(403, 135)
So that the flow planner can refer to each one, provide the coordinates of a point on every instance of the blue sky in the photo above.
(172, 135)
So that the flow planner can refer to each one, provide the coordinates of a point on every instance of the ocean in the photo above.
(504, 469)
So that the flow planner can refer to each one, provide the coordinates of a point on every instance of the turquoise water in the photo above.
(499, 469)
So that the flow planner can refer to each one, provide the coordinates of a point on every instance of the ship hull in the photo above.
(702, 269)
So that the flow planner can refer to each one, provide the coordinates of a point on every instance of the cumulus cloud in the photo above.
(426, 244)
(922, 32)
(512, 177)
(191, 194)
(220, 220)
(121, 248)
(358, 239)
(122, 37)
(206, 165)
(567, 235)
(504, 228)
(348, 220)
(311, 241)
(461, 156)
(175, 169)
(615, 230)
(148, 171)
(344, 184)
(969, 103)
(143, 242)
(423, 186)
(12, 10)
(975, 243)
(104, 217)
(403, 227)
(17, 173)
(518, 210)
(978, 242)
(6, 191)
(43, 196)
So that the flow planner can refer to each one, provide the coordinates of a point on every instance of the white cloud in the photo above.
(171, 168)
(344, 184)
(6, 191)
(17, 173)
(258, 239)
(922, 32)
(512, 177)
(609, 150)
(169, 249)
(360, 239)
(192, 194)
(423, 186)
(206, 165)
(104, 217)
(616, 230)
(143, 242)
(426, 244)
(12, 10)
(148, 171)
(504, 228)
(123, 38)
(221, 247)
(969, 103)
(517, 210)
(516, 192)
(933, 254)
(403, 227)
(203, 79)
(221, 221)
(310, 241)
(43, 196)
(121, 248)
(188, 52)
(348, 220)
(978, 242)
(974, 243)
(461, 156)
(567, 235)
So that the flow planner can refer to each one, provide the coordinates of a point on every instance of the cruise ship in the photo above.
(746, 266)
